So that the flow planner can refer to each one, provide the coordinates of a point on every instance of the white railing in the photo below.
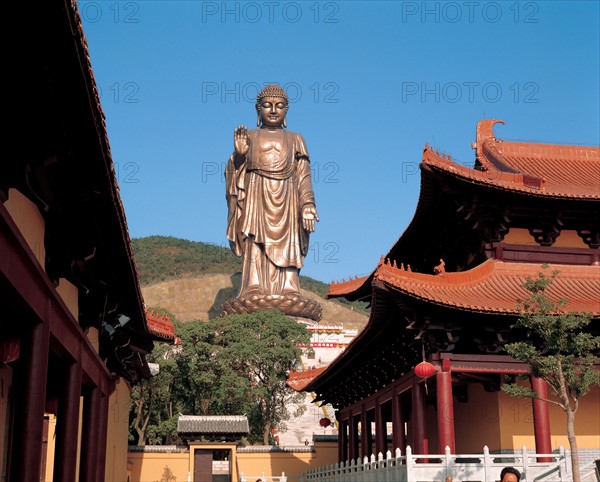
(263, 478)
(436, 467)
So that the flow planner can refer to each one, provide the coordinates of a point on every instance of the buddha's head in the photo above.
(272, 106)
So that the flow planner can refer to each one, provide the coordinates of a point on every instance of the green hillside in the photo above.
(162, 258)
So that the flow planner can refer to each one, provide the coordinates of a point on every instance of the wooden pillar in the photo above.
(541, 419)
(26, 455)
(89, 435)
(420, 443)
(343, 440)
(380, 431)
(365, 434)
(67, 425)
(352, 438)
(102, 429)
(445, 411)
(398, 435)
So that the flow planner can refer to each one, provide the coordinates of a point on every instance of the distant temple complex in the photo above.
(446, 295)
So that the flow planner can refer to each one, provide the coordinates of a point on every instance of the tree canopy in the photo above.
(237, 364)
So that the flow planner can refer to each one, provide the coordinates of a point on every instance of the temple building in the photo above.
(74, 331)
(446, 293)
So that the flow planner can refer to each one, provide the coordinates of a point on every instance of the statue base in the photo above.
(289, 304)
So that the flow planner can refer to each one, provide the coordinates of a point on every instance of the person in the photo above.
(510, 474)
(270, 199)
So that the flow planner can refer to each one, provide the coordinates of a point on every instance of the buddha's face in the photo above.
(272, 111)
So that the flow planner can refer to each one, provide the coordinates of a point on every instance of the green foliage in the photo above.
(161, 258)
(557, 347)
(237, 364)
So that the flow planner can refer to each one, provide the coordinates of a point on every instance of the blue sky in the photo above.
(370, 84)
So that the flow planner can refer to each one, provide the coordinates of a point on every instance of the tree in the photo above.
(151, 402)
(258, 351)
(557, 349)
(151, 410)
(237, 364)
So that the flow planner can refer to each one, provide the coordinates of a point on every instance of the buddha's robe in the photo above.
(265, 196)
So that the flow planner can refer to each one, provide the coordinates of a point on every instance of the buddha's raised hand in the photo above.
(241, 141)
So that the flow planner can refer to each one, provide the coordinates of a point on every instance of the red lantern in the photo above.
(324, 422)
(424, 369)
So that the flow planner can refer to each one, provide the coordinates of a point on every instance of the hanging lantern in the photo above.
(424, 370)
(324, 422)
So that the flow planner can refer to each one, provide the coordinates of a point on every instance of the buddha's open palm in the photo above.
(309, 216)
(241, 141)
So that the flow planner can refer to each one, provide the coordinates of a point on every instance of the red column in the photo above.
(26, 457)
(67, 428)
(352, 438)
(89, 436)
(380, 431)
(102, 429)
(445, 411)
(365, 434)
(541, 419)
(342, 440)
(398, 435)
(419, 424)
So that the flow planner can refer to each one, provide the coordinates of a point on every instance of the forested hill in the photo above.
(162, 258)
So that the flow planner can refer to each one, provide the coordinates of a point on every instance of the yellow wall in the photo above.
(51, 446)
(517, 422)
(70, 295)
(28, 219)
(149, 467)
(118, 432)
(479, 418)
(567, 238)
(292, 463)
(93, 337)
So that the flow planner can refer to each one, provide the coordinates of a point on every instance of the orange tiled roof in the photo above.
(539, 169)
(299, 380)
(161, 326)
(494, 286)
(342, 288)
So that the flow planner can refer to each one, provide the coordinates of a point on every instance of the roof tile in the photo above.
(494, 286)
(299, 380)
(213, 424)
(553, 170)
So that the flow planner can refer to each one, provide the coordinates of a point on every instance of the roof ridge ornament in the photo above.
(485, 132)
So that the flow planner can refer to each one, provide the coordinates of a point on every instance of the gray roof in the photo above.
(275, 448)
(158, 448)
(213, 424)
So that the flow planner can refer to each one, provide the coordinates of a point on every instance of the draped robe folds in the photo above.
(265, 196)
